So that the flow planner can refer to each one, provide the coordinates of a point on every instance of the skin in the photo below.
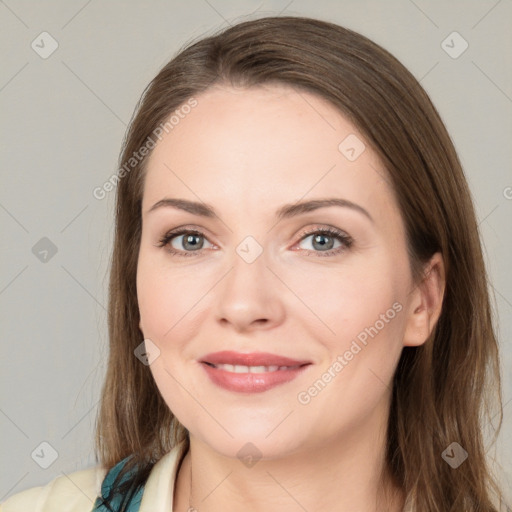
(247, 152)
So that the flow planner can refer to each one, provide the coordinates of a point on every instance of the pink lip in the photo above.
(251, 359)
(251, 382)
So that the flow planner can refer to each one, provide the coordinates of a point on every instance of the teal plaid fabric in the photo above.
(114, 502)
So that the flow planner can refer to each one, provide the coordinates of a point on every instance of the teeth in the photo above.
(251, 369)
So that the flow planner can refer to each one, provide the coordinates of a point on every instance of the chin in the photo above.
(254, 440)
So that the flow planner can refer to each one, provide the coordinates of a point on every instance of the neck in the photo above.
(347, 473)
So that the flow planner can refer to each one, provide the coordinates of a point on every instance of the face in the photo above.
(327, 286)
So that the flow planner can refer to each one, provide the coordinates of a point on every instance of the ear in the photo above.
(426, 303)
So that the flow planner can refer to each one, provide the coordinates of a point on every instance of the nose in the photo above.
(249, 297)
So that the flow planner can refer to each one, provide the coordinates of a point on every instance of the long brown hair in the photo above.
(441, 388)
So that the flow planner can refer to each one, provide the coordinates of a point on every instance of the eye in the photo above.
(322, 242)
(183, 242)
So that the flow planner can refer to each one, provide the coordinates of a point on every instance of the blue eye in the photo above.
(323, 241)
(191, 242)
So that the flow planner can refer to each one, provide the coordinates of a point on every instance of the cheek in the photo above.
(166, 303)
(356, 316)
(166, 299)
(337, 303)
(153, 301)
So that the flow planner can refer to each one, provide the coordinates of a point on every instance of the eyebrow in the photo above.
(285, 212)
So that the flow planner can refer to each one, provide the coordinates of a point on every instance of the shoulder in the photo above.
(75, 492)
(83, 491)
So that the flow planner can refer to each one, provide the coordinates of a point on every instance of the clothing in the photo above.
(107, 503)
(79, 491)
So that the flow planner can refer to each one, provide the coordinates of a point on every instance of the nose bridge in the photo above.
(248, 275)
(247, 294)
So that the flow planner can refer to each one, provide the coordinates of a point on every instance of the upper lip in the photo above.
(251, 359)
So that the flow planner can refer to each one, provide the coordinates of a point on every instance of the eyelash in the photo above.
(345, 239)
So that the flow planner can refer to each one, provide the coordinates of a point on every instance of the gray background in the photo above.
(64, 117)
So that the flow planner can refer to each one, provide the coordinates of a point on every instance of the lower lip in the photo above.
(251, 382)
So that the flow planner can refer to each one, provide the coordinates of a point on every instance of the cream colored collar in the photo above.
(159, 488)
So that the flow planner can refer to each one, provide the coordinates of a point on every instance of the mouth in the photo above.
(238, 368)
(251, 373)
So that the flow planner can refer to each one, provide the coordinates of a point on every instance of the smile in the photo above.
(251, 369)
(251, 373)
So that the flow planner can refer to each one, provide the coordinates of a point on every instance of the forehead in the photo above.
(262, 147)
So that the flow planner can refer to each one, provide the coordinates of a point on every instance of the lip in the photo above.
(251, 359)
(251, 382)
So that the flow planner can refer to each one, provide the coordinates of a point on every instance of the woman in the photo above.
(299, 315)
